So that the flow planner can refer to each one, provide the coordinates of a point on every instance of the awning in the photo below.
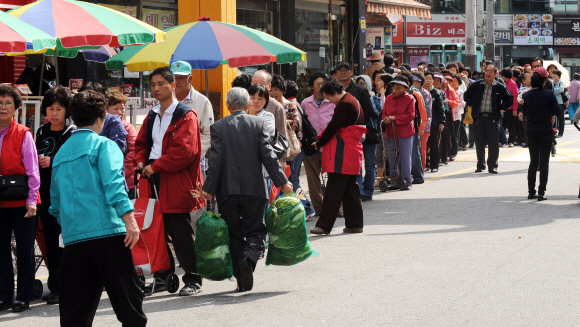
(401, 7)
(396, 50)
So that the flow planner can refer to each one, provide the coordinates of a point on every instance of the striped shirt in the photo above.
(486, 100)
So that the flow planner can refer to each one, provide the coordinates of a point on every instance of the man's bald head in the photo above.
(262, 77)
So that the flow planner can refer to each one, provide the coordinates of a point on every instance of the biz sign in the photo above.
(436, 29)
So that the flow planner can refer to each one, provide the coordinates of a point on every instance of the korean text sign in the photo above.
(436, 29)
(533, 29)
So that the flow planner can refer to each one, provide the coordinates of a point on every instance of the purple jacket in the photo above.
(115, 131)
(574, 90)
(428, 102)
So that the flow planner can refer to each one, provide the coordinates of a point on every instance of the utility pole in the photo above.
(480, 15)
(489, 24)
(470, 45)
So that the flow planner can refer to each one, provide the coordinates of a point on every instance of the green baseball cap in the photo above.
(181, 68)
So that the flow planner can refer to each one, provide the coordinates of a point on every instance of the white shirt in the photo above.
(205, 116)
(160, 127)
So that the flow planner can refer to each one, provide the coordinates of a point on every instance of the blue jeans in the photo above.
(367, 187)
(416, 160)
(295, 166)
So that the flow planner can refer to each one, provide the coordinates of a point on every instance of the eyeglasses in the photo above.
(6, 104)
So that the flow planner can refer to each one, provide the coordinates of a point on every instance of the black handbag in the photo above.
(280, 144)
(13, 187)
(309, 135)
(565, 96)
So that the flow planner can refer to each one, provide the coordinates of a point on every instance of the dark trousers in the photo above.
(417, 160)
(471, 134)
(179, 232)
(88, 266)
(51, 230)
(455, 138)
(463, 133)
(487, 132)
(345, 189)
(433, 141)
(12, 219)
(445, 148)
(510, 122)
(244, 216)
(561, 120)
(539, 145)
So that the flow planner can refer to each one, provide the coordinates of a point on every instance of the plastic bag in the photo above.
(212, 250)
(286, 225)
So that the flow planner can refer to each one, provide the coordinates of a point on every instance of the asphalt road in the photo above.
(463, 249)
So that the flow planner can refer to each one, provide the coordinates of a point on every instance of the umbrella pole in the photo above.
(41, 75)
(206, 86)
(142, 104)
(56, 68)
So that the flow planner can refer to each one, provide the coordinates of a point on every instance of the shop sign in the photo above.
(399, 33)
(363, 24)
(316, 37)
(417, 52)
(161, 19)
(415, 60)
(533, 29)
(502, 36)
(436, 29)
(567, 31)
(570, 62)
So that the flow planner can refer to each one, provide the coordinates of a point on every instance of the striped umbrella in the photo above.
(77, 23)
(206, 45)
(17, 36)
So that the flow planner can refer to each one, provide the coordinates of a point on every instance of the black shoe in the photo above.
(5, 305)
(532, 196)
(45, 298)
(471, 146)
(479, 170)
(19, 306)
(159, 286)
(366, 198)
(451, 158)
(445, 162)
(392, 188)
(190, 289)
(417, 182)
(542, 198)
(434, 170)
(52, 299)
(493, 171)
(246, 281)
(524, 145)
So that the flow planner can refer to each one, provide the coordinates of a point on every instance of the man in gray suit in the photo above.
(239, 148)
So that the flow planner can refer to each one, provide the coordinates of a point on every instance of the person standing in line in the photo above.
(539, 106)
(457, 113)
(319, 111)
(168, 149)
(437, 118)
(240, 147)
(264, 78)
(487, 97)
(116, 106)
(372, 120)
(511, 113)
(451, 101)
(190, 97)
(418, 82)
(559, 89)
(376, 64)
(49, 138)
(539, 62)
(526, 86)
(18, 156)
(383, 88)
(574, 100)
(342, 156)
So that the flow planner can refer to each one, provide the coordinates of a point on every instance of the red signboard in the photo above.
(417, 52)
(437, 29)
(399, 33)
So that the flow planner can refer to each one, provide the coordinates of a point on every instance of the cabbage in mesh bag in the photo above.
(212, 252)
(286, 225)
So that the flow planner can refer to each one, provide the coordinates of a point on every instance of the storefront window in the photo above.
(312, 37)
(566, 6)
(446, 7)
(259, 20)
(526, 6)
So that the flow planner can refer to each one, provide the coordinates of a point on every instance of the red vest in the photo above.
(11, 158)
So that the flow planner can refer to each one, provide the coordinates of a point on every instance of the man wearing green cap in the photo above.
(185, 93)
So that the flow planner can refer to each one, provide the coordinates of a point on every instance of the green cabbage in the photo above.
(212, 252)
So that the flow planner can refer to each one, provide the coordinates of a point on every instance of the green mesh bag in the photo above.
(212, 250)
(286, 225)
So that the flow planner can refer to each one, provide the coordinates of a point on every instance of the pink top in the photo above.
(318, 117)
(513, 88)
(30, 161)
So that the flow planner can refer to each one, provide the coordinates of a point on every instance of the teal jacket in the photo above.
(88, 190)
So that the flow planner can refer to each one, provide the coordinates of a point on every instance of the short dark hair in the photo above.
(165, 72)
(331, 87)
(468, 70)
(458, 78)
(388, 60)
(430, 66)
(291, 89)
(537, 80)
(507, 73)
(460, 66)
(262, 92)
(452, 65)
(407, 75)
(94, 86)
(494, 68)
(576, 76)
(60, 94)
(536, 59)
(87, 106)
(557, 72)
(278, 81)
(244, 81)
(516, 73)
(428, 72)
(379, 71)
(315, 76)
(12, 91)
(421, 63)
(359, 78)
(407, 66)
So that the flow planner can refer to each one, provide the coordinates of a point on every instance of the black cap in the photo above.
(343, 63)
(333, 70)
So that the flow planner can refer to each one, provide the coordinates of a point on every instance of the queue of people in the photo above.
(395, 124)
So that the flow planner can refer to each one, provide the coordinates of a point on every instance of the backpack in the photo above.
(309, 134)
